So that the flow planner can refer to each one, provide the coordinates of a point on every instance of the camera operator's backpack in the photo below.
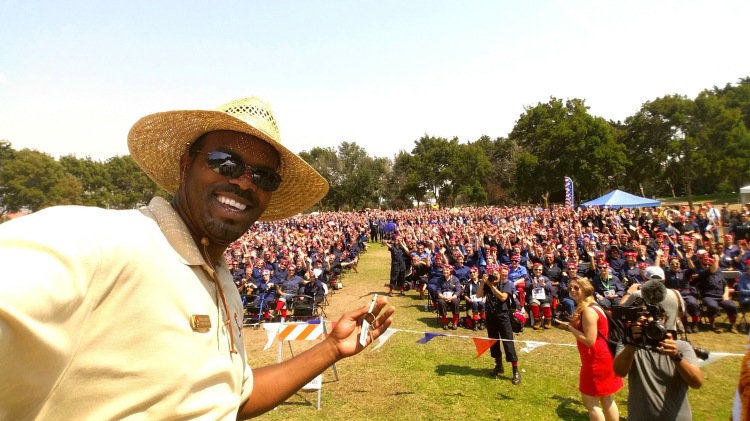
(616, 331)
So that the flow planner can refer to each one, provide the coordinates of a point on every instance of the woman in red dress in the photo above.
(597, 381)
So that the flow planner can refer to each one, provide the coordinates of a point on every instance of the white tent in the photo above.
(745, 195)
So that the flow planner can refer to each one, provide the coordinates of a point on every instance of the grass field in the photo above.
(404, 380)
(718, 199)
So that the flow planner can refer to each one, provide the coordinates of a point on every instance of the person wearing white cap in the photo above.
(134, 314)
(671, 303)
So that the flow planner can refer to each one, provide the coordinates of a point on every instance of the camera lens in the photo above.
(655, 332)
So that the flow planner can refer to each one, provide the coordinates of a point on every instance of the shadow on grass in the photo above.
(371, 293)
(304, 399)
(570, 409)
(402, 393)
(431, 322)
(462, 370)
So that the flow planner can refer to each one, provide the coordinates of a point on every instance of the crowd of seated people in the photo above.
(543, 250)
(285, 267)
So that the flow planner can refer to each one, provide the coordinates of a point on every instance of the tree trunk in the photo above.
(689, 192)
(545, 198)
(640, 186)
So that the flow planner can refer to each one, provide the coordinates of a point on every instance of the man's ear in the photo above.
(185, 162)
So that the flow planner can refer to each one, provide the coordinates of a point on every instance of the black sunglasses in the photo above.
(232, 168)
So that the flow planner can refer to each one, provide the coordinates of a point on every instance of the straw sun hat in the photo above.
(158, 141)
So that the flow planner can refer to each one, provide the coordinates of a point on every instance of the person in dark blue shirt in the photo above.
(499, 304)
(607, 287)
(473, 303)
(449, 296)
(399, 252)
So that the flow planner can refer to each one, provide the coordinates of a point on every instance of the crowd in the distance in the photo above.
(285, 270)
(541, 249)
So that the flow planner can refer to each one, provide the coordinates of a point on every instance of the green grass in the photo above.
(404, 380)
(716, 198)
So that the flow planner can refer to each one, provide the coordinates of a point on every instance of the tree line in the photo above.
(34, 180)
(672, 146)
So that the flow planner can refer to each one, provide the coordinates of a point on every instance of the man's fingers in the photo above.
(384, 320)
(380, 302)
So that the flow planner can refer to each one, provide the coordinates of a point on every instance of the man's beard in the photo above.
(222, 231)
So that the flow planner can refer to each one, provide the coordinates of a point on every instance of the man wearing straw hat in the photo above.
(134, 313)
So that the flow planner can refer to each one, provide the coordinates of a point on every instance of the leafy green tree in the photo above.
(561, 138)
(67, 191)
(356, 179)
(499, 183)
(6, 151)
(326, 163)
(131, 187)
(406, 180)
(470, 169)
(97, 188)
(30, 180)
(383, 168)
(724, 139)
(434, 161)
(737, 97)
(360, 175)
(667, 140)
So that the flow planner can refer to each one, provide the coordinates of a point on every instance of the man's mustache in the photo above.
(245, 194)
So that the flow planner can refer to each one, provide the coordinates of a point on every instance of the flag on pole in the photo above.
(568, 192)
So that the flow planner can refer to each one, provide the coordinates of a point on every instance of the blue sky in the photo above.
(75, 75)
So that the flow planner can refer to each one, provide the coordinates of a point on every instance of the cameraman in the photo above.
(653, 293)
(656, 392)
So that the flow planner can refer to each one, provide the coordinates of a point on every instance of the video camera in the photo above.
(653, 331)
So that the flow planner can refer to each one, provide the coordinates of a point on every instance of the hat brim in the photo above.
(158, 141)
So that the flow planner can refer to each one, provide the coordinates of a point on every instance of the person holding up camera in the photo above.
(654, 291)
(660, 370)
(597, 381)
(499, 303)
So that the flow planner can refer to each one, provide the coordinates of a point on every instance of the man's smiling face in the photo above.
(215, 206)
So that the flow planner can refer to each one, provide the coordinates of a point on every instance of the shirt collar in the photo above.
(174, 230)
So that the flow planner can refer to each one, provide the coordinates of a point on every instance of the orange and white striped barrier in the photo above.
(301, 332)
(314, 330)
(293, 332)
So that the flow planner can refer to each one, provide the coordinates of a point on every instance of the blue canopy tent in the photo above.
(621, 199)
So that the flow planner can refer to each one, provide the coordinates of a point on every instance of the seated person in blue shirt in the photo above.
(608, 290)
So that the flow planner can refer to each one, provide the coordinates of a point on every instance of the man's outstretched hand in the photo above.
(344, 339)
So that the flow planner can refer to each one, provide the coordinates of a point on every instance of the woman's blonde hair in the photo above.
(587, 291)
